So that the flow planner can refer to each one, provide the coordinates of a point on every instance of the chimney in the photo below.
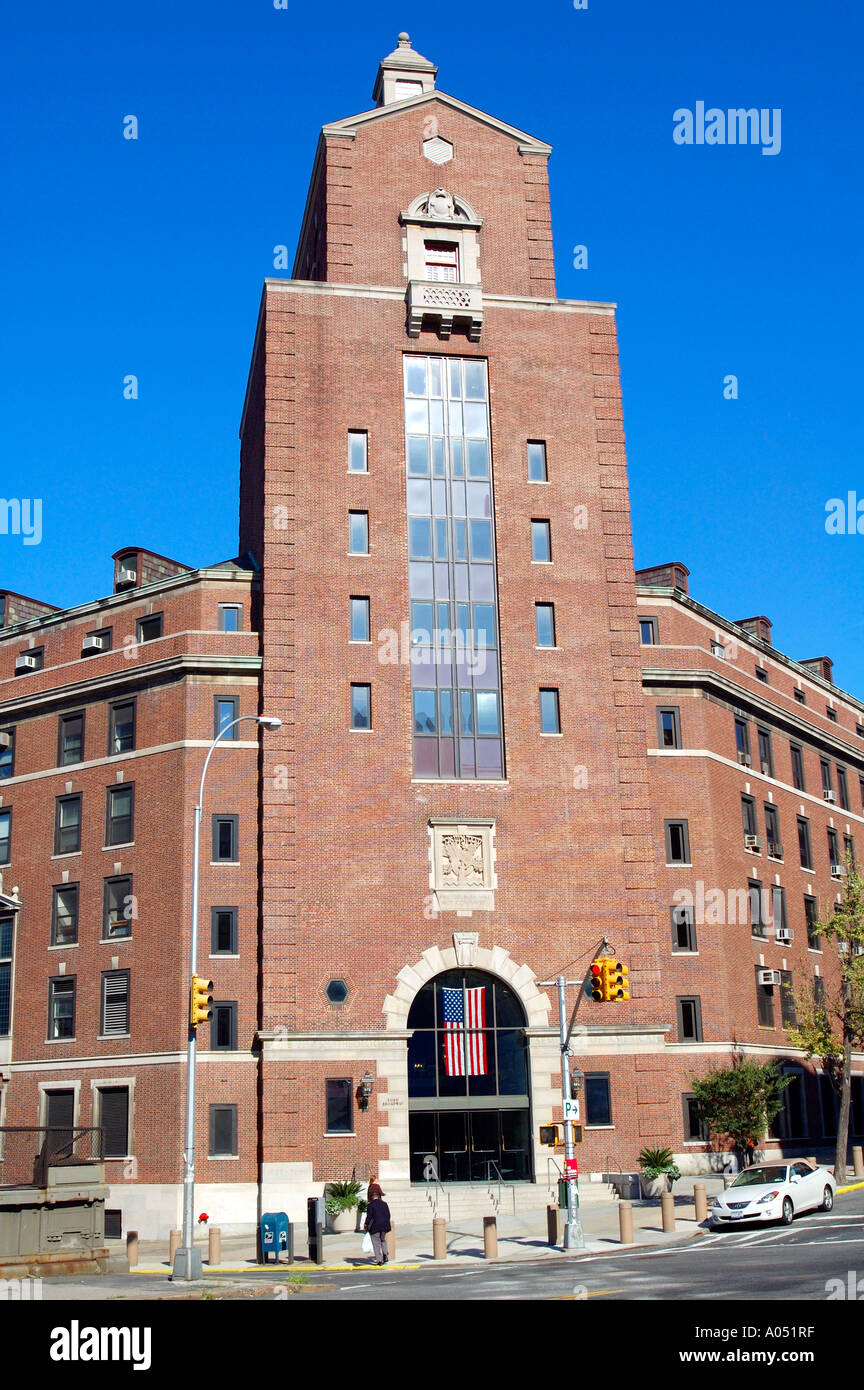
(757, 627)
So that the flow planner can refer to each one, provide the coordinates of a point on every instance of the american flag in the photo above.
(458, 1030)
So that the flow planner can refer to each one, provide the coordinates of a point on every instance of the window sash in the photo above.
(223, 931)
(121, 815)
(67, 836)
(115, 895)
(64, 915)
(223, 1131)
(62, 1008)
(122, 728)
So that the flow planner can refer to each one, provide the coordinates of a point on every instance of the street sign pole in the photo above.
(574, 1238)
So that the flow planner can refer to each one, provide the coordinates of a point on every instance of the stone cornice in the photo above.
(128, 678)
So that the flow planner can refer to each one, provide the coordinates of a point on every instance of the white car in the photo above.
(774, 1192)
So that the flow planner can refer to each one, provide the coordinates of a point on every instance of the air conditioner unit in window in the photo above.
(5, 742)
(752, 842)
(838, 870)
(126, 576)
(829, 795)
(843, 947)
(92, 643)
(775, 849)
(745, 760)
(784, 934)
(26, 662)
(766, 768)
(769, 977)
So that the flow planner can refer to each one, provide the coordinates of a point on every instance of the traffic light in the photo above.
(577, 1131)
(597, 976)
(617, 983)
(200, 1000)
(549, 1135)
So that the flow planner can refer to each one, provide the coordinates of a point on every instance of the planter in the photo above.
(653, 1188)
(343, 1221)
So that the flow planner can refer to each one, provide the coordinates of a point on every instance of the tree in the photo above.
(831, 1025)
(740, 1101)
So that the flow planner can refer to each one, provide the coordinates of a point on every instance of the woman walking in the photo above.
(378, 1223)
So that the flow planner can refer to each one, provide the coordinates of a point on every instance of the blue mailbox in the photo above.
(274, 1236)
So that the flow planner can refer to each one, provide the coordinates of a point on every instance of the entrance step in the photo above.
(415, 1205)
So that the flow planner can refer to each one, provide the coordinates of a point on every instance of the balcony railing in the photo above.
(447, 302)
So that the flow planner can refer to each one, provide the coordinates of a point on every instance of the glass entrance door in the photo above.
(470, 1145)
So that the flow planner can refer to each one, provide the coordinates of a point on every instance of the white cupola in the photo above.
(403, 73)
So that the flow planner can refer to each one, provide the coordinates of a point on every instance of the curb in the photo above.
(850, 1187)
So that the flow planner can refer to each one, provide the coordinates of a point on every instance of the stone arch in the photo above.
(468, 955)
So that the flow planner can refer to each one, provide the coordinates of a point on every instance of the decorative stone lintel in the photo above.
(465, 945)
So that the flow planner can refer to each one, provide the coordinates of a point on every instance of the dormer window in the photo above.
(442, 260)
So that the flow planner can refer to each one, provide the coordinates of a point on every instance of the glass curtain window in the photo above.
(455, 671)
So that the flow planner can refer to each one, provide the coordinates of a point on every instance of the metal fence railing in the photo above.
(28, 1151)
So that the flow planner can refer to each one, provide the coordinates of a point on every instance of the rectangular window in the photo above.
(718, 650)
(6, 933)
(689, 1019)
(541, 542)
(811, 917)
(762, 675)
(223, 1131)
(223, 1028)
(819, 993)
(797, 753)
(778, 907)
(831, 714)
(64, 915)
(101, 639)
(442, 260)
(113, 1111)
(230, 617)
(748, 818)
(361, 706)
(742, 741)
(669, 727)
(805, 852)
(225, 711)
(764, 1002)
(225, 849)
(223, 931)
(360, 620)
(358, 451)
(695, 1128)
(67, 825)
(149, 628)
(544, 617)
(766, 759)
(121, 728)
(834, 851)
(7, 753)
(648, 632)
(772, 831)
(358, 533)
(339, 1106)
(842, 789)
(114, 1021)
(61, 1007)
(849, 849)
(550, 713)
(677, 842)
(598, 1098)
(119, 815)
(861, 790)
(788, 1016)
(117, 907)
(537, 461)
(5, 837)
(757, 907)
(70, 739)
(683, 929)
(825, 769)
(799, 695)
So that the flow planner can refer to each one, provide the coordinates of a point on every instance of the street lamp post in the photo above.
(187, 1260)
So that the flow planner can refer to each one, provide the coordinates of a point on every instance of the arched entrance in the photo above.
(468, 1087)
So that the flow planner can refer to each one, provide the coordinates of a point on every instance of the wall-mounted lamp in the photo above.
(364, 1090)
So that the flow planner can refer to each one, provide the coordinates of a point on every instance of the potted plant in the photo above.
(659, 1171)
(341, 1203)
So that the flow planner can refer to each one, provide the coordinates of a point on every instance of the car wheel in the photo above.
(827, 1199)
(788, 1211)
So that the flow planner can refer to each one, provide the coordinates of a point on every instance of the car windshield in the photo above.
(753, 1176)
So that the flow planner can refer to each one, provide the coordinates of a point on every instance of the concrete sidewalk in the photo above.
(522, 1237)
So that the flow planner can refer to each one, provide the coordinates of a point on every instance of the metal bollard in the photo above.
(174, 1240)
(625, 1222)
(667, 1209)
(858, 1161)
(132, 1247)
(490, 1237)
(214, 1246)
(700, 1201)
(439, 1238)
(553, 1226)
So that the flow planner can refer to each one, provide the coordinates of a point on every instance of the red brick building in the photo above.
(480, 773)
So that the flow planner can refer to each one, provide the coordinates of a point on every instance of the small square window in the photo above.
(339, 1101)
(223, 1131)
(358, 451)
(762, 675)
(33, 659)
(101, 639)
(223, 931)
(550, 714)
(149, 628)
(230, 615)
(359, 620)
(358, 533)
(648, 632)
(544, 614)
(541, 542)
(537, 461)
(223, 1028)
(831, 713)
(718, 650)
(361, 707)
(225, 839)
(119, 815)
(224, 716)
(677, 842)
(799, 695)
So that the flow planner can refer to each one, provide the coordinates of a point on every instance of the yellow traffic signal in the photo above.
(577, 1131)
(200, 1000)
(617, 983)
(597, 977)
(549, 1135)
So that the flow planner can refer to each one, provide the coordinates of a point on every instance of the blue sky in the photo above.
(147, 257)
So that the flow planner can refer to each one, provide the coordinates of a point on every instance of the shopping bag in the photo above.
(366, 1245)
